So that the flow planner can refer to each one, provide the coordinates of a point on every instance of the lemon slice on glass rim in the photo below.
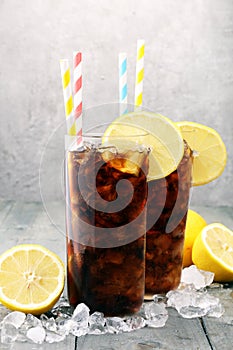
(209, 151)
(163, 137)
(31, 278)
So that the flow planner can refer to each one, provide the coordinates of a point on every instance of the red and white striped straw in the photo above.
(77, 90)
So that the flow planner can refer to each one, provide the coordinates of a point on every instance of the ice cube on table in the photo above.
(155, 314)
(15, 318)
(135, 322)
(52, 337)
(10, 326)
(81, 314)
(62, 308)
(79, 320)
(199, 278)
(36, 334)
(3, 312)
(97, 322)
(116, 325)
(64, 325)
(191, 303)
(216, 311)
(31, 321)
(50, 324)
(9, 333)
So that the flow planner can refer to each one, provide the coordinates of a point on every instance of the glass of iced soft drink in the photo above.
(106, 195)
(169, 183)
(166, 215)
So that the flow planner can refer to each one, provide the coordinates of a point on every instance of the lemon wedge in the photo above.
(213, 251)
(163, 137)
(209, 151)
(31, 278)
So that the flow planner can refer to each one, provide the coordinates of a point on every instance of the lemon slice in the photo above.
(31, 278)
(213, 251)
(163, 137)
(210, 154)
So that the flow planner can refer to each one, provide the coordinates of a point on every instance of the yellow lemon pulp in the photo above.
(163, 138)
(194, 225)
(209, 151)
(213, 251)
(31, 278)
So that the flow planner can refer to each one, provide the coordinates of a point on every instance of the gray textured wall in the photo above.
(188, 75)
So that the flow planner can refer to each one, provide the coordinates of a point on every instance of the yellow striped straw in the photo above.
(139, 73)
(67, 94)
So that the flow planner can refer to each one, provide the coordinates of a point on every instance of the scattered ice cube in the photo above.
(3, 312)
(97, 323)
(75, 329)
(15, 318)
(62, 308)
(187, 300)
(217, 311)
(36, 334)
(81, 314)
(155, 314)
(9, 333)
(21, 337)
(135, 322)
(31, 321)
(52, 337)
(49, 323)
(10, 326)
(79, 320)
(199, 278)
(63, 325)
(116, 325)
(190, 303)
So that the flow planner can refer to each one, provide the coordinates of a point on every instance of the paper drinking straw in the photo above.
(123, 82)
(67, 94)
(77, 88)
(139, 73)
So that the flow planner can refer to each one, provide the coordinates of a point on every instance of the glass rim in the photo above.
(96, 135)
(98, 139)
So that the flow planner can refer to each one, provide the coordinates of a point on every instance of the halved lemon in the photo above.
(209, 151)
(213, 251)
(163, 137)
(31, 278)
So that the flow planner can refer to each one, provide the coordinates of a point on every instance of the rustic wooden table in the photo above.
(22, 222)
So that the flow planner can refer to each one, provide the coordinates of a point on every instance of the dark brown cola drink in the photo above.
(166, 216)
(106, 194)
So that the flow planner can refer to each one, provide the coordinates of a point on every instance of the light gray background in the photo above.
(188, 75)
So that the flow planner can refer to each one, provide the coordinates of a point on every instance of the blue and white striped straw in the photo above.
(123, 83)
